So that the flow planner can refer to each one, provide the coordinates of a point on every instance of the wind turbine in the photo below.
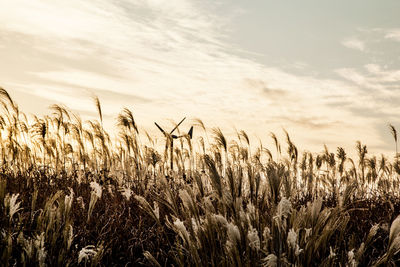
(170, 139)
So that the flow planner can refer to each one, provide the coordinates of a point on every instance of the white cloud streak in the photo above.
(393, 34)
(354, 43)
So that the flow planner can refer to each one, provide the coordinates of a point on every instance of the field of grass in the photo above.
(72, 195)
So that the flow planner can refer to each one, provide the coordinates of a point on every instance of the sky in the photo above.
(326, 71)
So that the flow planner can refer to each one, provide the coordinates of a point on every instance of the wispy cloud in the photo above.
(373, 76)
(379, 91)
(393, 34)
(354, 43)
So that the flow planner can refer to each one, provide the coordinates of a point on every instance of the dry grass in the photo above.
(72, 195)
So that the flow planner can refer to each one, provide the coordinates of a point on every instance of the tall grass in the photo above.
(71, 194)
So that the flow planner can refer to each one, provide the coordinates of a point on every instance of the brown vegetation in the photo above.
(72, 195)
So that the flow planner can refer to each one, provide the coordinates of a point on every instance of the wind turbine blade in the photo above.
(190, 133)
(161, 129)
(177, 125)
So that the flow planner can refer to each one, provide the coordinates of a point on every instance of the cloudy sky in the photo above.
(326, 71)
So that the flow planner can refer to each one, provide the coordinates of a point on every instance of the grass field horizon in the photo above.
(230, 130)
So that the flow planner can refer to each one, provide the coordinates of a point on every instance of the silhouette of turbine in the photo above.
(170, 139)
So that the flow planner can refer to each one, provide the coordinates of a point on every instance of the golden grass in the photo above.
(72, 195)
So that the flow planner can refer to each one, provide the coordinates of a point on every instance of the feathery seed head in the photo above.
(156, 210)
(332, 253)
(267, 233)
(87, 253)
(96, 189)
(13, 205)
(126, 192)
(351, 259)
(270, 261)
(254, 240)
(186, 199)
(233, 232)
(284, 208)
(292, 238)
(220, 219)
(394, 229)
(181, 229)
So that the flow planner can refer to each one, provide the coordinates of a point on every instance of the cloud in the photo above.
(277, 94)
(374, 68)
(376, 77)
(354, 43)
(352, 75)
(378, 91)
(314, 123)
(393, 34)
